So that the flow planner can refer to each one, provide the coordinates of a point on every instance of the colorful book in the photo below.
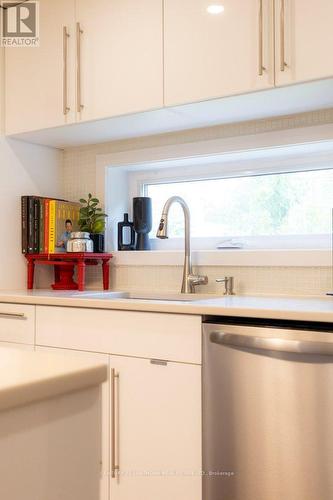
(36, 203)
(41, 226)
(59, 213)
(65, 212)
(24, 223)
(52, 219)
(43, 223)
(46, 225)
(30, 224)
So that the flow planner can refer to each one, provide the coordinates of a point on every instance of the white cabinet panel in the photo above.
(152, 418)
(17, 323)
(304, 40)
(213, 55)
(34, 76)
(12, 345)
(104, 484)
(175, 337)
(121, 56)
(49, 450)
(157, 436)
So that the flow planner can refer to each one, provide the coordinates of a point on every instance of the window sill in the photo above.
(251, 258)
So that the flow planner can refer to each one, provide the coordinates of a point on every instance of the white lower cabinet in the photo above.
(176, 337)
(17, 323)
(104, 485)
(151, 407)
(13, 345)
(156, 432)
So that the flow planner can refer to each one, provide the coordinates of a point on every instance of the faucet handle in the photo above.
(196, 279)
(228, 284)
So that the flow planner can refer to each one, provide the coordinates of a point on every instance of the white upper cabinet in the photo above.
(95, 60)
(111, 58)
(121, 57)
(40, 80)
(304, 40)
(214, 49)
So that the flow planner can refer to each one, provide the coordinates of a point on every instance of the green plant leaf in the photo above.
(82, 200)
(95, 200)
(89, 196)
(98, 226)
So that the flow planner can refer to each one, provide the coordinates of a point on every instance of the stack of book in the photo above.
(44, 222)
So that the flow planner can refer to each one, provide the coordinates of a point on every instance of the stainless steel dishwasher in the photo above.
(267, 412)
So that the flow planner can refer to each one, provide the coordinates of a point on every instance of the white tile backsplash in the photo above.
(79, 178)
(248, 280)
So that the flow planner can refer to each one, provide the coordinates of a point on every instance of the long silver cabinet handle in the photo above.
(114, 428)
(272, 344)
(12, 315)
(66, 35)
(79, 32)
(283, 63)
(261, 67)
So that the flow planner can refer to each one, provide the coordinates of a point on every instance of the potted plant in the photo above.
(92, 220)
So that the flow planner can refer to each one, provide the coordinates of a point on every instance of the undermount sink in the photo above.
(174, 297)
(170, 297)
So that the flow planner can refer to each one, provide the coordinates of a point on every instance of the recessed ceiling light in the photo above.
(215, 9)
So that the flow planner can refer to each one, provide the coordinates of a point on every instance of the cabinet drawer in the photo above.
(174, 337)
(17, 323)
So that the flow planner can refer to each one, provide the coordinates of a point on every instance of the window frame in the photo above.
(299, 158)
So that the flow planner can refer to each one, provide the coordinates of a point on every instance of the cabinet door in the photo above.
(104, 485)
(17, 323)
(304, 40)
(156, 432)
(121, 57)
(176, 337)
(209, 55)
(36, 85)
(21, 347)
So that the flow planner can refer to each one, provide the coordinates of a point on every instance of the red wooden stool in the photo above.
(64, 265)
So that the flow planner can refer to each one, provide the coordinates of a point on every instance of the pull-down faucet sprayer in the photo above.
(190, 280)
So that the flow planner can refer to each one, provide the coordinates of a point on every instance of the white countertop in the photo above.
(28, 376)
(272, 307)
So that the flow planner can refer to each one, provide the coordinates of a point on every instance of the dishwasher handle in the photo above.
(271, 343)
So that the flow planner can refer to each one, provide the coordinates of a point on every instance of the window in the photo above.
(295, 203)
(274, 197)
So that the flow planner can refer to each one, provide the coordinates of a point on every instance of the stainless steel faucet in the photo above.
(190, 280)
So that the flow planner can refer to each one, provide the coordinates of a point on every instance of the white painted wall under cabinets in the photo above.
(24, 169)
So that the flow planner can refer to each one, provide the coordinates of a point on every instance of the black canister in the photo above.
(142, 219)
(129, 242)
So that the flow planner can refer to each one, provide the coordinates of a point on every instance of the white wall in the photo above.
(24, 169)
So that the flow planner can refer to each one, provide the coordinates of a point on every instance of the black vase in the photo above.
(142, 219)
(99, 242)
